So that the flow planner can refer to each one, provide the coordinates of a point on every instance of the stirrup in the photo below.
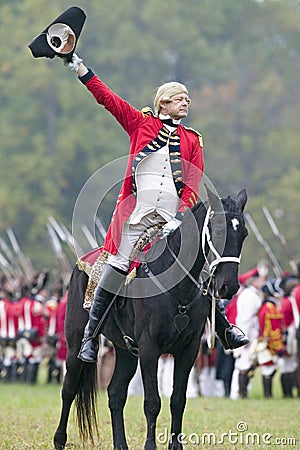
(231, 327)
(94, 352)
(131, 345)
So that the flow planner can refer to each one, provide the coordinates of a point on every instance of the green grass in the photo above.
(29, 416)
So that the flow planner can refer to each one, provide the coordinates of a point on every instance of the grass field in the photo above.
(29, 416)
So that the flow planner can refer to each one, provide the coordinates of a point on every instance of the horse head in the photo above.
(224, 236)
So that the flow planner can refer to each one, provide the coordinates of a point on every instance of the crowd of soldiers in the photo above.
(31, 328)
(267, 310)
(32, 319)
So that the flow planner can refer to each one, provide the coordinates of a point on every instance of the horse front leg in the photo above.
(125, 367)
(183, 364)
(152, 403)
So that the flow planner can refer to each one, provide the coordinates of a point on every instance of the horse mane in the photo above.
(229, 203)
(188, 222)
(229, 206)
(196, 209)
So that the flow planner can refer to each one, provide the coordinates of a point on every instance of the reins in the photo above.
(212, 266)
(181, 319)
(206, 238)
(182, 309)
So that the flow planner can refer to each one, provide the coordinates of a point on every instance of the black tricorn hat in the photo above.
(61, 36)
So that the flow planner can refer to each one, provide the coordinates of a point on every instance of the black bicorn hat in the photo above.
(60, 37)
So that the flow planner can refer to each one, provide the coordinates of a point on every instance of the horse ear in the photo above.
(241, 199)
(213, 199)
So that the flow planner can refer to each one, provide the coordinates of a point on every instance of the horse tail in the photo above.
(85, 402)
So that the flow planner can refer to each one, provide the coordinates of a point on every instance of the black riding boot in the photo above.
(287, 384)
(243, 383)
(110, 283)
(31, 373)
(228, 337)
(267, 385)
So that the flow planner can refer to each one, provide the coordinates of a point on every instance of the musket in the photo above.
(7, 268)
(90, 238)
(11, 260)
(73, 245)
(281, 237)
(65, 235)
(25, 263)
(276, 266)
(58, 229)
(100, 228)
(60, 256)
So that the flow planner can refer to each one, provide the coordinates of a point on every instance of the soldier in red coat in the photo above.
(8, 335)
(57, 346)
(271, 334)
(162, 181)
(31, 332)
(290, 308)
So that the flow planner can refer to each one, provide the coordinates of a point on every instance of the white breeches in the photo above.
(288, 364)
(130, 234)
(245, 359)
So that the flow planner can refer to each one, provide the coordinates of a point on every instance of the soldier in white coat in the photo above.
(248, 304)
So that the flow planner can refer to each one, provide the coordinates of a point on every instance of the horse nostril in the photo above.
(227, 291)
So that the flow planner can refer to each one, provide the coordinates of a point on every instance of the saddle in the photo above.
(93, 262)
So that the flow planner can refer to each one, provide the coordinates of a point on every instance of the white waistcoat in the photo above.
(156, 190)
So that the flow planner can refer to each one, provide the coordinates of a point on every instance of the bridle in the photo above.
(206, 239)
(212, 266)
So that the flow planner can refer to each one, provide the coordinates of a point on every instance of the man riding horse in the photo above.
(162, 180)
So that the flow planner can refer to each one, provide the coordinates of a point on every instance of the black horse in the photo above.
(165, 312)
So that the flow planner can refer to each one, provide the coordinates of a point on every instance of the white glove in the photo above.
(74, 64)
(170, 226)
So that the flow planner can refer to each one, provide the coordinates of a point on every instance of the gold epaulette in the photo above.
(197, 133)
(146, 111)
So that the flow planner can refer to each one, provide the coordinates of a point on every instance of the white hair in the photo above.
(166, 91)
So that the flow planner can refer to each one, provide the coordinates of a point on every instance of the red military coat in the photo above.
(271, 326)
(286, 306)
(8, 319)
(142, 128)
(31, 314)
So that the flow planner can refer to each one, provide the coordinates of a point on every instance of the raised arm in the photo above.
(128, 116)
